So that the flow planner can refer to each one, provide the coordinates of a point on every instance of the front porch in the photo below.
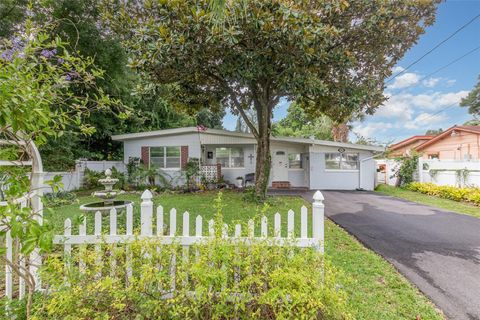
(227, 162)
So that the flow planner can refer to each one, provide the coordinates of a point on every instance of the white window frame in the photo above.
(165, 157)
(301, 160)
(341, 161)
(230, 157)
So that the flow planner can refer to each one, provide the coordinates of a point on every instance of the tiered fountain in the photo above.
(108, 195)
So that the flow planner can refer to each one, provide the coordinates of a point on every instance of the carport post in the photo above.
(318, 217)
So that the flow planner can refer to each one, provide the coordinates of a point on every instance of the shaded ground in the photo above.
(438, 250)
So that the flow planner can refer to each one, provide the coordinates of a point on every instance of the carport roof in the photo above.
(177, 131)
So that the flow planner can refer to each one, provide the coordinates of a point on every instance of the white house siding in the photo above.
(320, 178)
(230, 174)
(296, 177)
(133, 148)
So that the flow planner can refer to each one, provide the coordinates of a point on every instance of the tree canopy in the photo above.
(77, 22)
(331, 57)
(472, 101)
(298, 124)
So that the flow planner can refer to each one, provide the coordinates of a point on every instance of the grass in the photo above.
(375, 289)
(450, 205)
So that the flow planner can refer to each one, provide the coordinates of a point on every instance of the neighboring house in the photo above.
(403, 148)
(456, 143)
(296, 162)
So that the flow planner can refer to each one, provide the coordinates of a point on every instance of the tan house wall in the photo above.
(402, 151)
(455, 147)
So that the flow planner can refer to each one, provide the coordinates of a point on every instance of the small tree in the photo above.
(41, 86)
(329, 56)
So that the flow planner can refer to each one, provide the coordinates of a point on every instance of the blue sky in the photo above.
(413, 101)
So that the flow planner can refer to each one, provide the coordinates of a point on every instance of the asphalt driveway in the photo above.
(437, 250)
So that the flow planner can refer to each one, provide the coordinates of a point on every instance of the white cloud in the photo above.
(430, 82)
(437, 100)
(403, 106)
(450, 82)
(405, 80)
(397, 106)
(369, 130)
(425, 120)
(397, 69)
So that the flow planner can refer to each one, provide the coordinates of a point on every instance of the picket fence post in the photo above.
(146, 213)
(318, 217)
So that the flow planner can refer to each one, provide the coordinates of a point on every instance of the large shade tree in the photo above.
(330, 56)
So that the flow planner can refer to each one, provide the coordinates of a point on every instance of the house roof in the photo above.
(470, 129)
(176, 131)
(409, 141)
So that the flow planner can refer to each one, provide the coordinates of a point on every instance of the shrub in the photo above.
(447, 192)
(61, 198)
(91, 177)
(216, 280)
(407, 169)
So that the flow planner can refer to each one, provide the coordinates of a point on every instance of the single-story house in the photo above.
(404, 147)
(455, 143)
(296, 162)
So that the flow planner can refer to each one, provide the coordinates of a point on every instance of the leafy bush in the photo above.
(407, 170)
(56, 199)
(91, 177)
(447, 192)
(217, 280)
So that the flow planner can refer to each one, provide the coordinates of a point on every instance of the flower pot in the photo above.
(239, 183)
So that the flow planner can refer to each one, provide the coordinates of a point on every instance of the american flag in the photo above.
(201, 128)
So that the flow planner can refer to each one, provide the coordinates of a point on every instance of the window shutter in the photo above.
(146, 155)
(183, 156)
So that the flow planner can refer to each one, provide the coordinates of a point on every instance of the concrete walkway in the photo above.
(437, 250)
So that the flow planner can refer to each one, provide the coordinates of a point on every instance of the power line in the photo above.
(434, 48)
(450, 63)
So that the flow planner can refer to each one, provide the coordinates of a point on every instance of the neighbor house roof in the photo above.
(448, 132)
(408, 141)
(177, 131)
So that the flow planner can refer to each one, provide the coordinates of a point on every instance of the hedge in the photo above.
(471, 195)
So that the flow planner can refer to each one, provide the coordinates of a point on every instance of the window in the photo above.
(165, 157)
(433, 156)
(230, 157)
(341, 161)
(295, 161)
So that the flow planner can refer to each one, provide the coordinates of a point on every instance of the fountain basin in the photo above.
(105, 205)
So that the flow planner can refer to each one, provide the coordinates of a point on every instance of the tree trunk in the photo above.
(340, 132)
(263, 161)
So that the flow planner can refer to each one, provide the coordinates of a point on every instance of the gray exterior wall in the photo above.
(231, 174)
(313, 175)
(321, 178)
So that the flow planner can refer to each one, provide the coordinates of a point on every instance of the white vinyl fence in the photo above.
(186, 238)
(450, 172)
(439, 172)
(73, 180)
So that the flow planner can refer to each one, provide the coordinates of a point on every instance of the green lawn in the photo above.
(375, 289)
(450, 205)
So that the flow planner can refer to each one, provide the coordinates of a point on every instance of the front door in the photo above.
(279, 165)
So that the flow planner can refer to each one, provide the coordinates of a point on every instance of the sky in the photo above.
(418, 102)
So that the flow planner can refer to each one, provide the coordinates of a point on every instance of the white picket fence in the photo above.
(186, 238)
(149, 230)
(14, 283)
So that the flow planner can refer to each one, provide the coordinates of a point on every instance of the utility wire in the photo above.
(434, 48)
(450, 63)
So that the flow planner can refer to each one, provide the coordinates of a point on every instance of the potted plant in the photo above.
(240, 182)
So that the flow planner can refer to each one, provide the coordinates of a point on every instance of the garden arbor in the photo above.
(20, 260)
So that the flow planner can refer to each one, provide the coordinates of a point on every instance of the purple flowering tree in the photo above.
(40, 97)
